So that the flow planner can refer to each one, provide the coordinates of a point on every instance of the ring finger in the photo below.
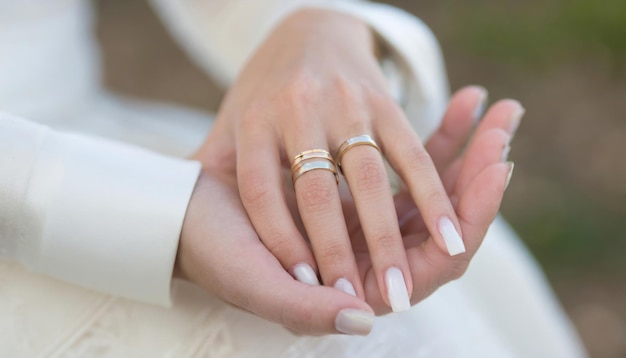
(317, 196)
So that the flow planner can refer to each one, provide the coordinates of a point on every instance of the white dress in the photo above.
(78, 209)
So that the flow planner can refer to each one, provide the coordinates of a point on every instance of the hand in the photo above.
(475, 181)
(313, 84)
(220, 251)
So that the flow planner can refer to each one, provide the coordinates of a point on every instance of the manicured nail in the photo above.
(344, 285)
(505, 153)
(305, 274)
(396, 290)
(508, 177)
(355, 322)
(480, 107)
(451, 237)
(516, 119)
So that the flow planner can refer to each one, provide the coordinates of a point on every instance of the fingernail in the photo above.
(480, 107)
(508, 177)
(344, 285)
(396, 290)
(451, 237)
(516, 119)
(305, 274)
(505, 153)
(355, 322)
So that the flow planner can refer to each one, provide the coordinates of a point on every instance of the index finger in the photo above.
(411, 161)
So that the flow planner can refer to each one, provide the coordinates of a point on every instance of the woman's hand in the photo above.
(220, 251)
(313, 84)
(475, 180)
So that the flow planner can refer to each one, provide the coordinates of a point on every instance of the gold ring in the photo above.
(311, 154)
(353, 142)
(302, 168)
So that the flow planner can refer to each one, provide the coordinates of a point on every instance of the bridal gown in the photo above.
(93, 193)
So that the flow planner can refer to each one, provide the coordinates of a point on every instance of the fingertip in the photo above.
(481, 103)
(304, 273)
(451, 237)
(509, 174)
(397, 292)
(345, 286)
(512, 111)
(354, 322)
(516, 118)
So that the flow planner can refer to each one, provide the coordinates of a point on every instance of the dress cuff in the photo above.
(111, 215)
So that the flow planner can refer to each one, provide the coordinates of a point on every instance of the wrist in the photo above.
(329, 30)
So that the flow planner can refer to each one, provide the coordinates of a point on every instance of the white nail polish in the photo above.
(305, 274)
(451, 237)
(353, 321)
(516, 119)
(505, 153)
(480, 108)
(508, 177)
(344, 285)
(396, 290)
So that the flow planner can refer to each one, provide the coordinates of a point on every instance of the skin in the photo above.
(314, 83)
(221, 251)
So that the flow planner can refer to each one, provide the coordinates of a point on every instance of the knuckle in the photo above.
(280, 247)
(317, 194)
(387, 239)
(346, 91)
(418, 159)
(301, 88)
(333, 253)
(255, 190)
(252, 114)
(371, 177)
(434, 196)
(381, 102)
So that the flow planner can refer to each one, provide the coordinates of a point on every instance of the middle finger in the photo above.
(364, 169)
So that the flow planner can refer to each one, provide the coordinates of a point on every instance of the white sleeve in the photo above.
(96, 213)
(220, 35)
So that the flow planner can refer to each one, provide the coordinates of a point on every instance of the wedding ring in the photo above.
(298, 170)
(353, 142)
(311, 154)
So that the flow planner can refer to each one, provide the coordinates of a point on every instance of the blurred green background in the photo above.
(564, 59)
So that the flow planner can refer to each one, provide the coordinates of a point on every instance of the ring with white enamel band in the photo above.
(311, 154)
(363, 139)
(302, 168)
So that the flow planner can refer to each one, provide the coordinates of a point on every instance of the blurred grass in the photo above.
(541, 33)
(574, 234)
(570, 227)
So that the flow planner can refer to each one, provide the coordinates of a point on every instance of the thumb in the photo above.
(248, 276)
(311, 310)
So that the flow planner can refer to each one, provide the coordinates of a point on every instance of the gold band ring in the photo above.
(311, 154)
(353, 142)
(302, 168)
